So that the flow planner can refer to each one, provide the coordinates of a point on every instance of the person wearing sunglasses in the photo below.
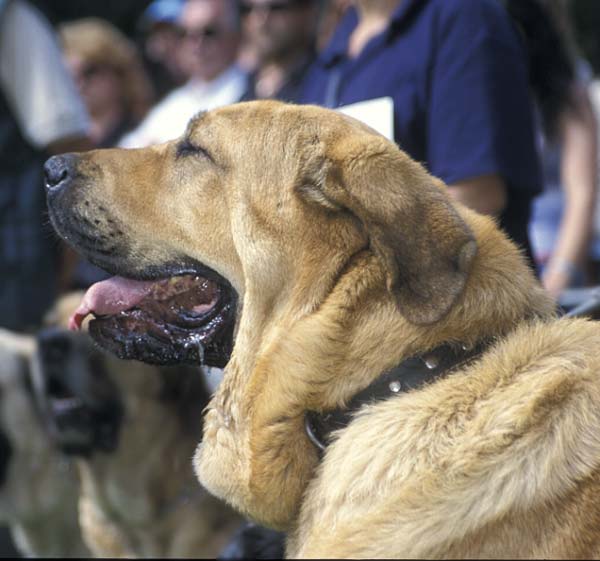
(281, 36)
(209, 42)
(108, 71)
(157, 36)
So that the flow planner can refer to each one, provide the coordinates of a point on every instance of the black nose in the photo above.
(57, 170)
(54, 350)
(55, 346)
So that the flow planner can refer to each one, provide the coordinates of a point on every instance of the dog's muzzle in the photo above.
(79, 402)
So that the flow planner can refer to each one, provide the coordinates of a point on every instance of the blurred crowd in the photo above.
(492, 96)
(495, 97)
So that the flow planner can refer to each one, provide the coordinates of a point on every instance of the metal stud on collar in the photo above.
(431, 362)
(395, 386)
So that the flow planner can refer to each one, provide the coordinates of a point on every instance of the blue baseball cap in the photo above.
(163, 11)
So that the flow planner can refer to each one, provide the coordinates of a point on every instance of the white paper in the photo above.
(376, 113)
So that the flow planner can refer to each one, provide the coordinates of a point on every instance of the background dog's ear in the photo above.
(425, 247)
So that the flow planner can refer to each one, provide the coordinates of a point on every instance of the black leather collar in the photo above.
(410, 374)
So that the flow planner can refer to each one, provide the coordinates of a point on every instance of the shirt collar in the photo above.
(338, 45)
(204, 87)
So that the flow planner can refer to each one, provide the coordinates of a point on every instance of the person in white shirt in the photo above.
(209, 46)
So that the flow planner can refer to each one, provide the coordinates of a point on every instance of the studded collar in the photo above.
(410, 374)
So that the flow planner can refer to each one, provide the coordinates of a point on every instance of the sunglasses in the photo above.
(273, 7)
(210, 33)
(90, 71)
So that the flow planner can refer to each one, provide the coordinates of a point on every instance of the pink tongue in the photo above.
(110, 297)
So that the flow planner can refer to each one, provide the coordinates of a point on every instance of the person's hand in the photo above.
(486, 194)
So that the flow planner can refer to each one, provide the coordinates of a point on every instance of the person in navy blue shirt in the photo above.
(457, 73)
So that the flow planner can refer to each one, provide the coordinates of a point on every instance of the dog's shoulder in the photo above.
(517, 429)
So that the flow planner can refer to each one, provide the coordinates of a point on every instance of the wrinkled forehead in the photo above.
(275, 125)
(196, 13)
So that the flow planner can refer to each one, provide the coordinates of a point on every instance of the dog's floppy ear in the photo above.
(425, 247)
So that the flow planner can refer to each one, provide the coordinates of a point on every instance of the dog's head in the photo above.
(178, 215)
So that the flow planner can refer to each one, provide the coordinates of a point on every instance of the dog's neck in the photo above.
(319, 361)
(254, 439)
(137, 499)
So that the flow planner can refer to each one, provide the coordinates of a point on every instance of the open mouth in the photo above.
(79, 429)
(183, 319)
(80, 403)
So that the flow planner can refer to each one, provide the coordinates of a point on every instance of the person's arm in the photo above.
(485, 194)
(36, 83)
(578, 135)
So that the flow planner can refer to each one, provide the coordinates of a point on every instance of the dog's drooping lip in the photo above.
(185, 318)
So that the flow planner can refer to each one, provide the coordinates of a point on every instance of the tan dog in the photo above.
(132, 429)
(39, 487)
(348, 258)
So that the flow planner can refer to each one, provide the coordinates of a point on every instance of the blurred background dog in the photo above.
(39, 486)
(67, 410)
(132, 430)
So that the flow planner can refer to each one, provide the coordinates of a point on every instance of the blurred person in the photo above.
(595, 245)
(208, 52)
(561, 225)
(110, 76)
(41, 114)
(456, 72)
(333, 12)
(159, 39)
(281, 34)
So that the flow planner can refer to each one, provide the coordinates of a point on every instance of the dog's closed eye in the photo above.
(187, 148)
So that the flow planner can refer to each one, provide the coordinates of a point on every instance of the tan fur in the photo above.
(143, 500)
(348, 257)
(38, 499)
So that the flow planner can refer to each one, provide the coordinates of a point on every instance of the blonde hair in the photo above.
(97, 41)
